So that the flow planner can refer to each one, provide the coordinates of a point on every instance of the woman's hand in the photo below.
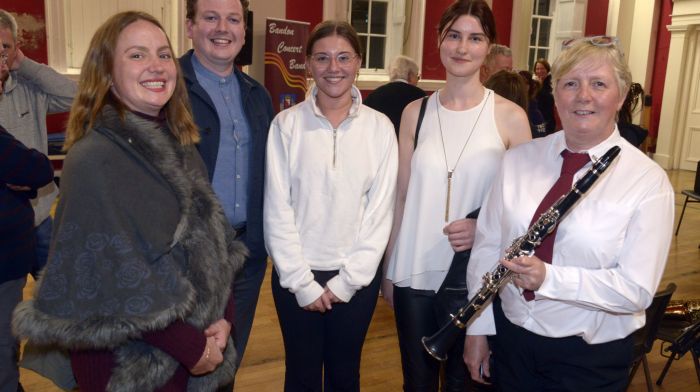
(529, 271)
(388, 292)
(331, 297)
(220, 330)
(460, 233)
(476, 357)
(321, 304)
(211, 358)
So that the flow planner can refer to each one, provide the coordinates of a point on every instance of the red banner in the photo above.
(285, 61)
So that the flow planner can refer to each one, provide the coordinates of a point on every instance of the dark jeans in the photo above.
(529, 362)
(421, 313)
(324, 346)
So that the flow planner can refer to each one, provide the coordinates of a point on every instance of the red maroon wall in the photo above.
(305, 10)
(503, 13)
(663, 43)
(596, 17)
(432, 67)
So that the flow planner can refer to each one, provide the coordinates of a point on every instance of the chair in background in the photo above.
(645, 336)
(679, 337)
(691, 196)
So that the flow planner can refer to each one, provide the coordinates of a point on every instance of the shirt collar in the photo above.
(594, 152)
(10, 83)
(203, 71)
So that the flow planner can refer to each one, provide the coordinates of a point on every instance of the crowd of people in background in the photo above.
(179, 181)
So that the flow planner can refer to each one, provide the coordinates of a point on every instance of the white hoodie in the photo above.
(329, 197)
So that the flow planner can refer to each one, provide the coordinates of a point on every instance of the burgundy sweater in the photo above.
(93, 368)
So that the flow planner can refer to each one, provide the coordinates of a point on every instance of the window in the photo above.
(369, 18)
(72, 23)
(542, 16)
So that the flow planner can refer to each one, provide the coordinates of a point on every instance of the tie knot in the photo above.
(573, 162)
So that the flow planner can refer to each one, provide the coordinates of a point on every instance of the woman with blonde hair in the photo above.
(138, 282)
(566, 321)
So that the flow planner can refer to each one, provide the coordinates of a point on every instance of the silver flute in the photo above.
(440, 343)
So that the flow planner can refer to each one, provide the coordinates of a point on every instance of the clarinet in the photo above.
(440, 343)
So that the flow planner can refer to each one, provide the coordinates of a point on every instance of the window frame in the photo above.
(537, 47)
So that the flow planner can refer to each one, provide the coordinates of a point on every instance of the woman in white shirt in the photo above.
(329, 199)
(465, 131)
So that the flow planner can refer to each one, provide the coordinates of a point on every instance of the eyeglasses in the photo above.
(598, 40)
(343, 59)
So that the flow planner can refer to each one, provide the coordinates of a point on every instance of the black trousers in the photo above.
(526, 361)
(324, 348)
(421, 313)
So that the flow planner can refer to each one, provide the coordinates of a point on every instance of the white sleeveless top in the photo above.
(422, 254)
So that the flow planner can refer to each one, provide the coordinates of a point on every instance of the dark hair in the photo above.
(533, 86)
(334, 27)
(191, 8)
(509, 85)
(544, 63)
(479, 9)
(631, 102)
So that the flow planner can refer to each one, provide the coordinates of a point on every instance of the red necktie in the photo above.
(572, 163)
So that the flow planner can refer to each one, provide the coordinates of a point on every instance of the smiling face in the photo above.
(587, 99)
(464, 47)
(217, 33)
(333, 79)
(144, 72)
(540, 71)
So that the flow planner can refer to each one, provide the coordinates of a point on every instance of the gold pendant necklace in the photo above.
(450, 172)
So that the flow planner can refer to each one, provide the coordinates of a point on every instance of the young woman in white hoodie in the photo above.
(329, 198)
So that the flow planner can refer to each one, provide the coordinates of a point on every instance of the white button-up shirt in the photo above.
(610, 249)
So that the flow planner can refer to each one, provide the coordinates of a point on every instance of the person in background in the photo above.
(329, 198)
(30, 91)
(22, 172)
(137, 288)
(545, 99)
(565, 322)
(509, 85)
(401, 90)
(233, 114)
(632, 132)
(537, 122)
(500, 58)
(442, 179)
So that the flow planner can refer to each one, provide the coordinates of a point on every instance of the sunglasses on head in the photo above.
(598, 40)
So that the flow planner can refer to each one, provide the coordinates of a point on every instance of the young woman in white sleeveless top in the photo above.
(464, 133)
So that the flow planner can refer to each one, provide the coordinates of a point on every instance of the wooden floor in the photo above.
(263, 366)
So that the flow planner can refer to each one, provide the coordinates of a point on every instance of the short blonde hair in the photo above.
(582, 50)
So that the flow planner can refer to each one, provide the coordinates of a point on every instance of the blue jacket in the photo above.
(21, 166)
(259, 113)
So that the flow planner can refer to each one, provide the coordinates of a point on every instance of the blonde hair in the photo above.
(583, 50)
(96, 78)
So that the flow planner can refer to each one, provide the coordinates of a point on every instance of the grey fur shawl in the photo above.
(139, 242)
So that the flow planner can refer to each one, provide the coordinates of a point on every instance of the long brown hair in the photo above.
(96, 78)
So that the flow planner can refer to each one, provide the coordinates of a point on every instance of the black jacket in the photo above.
(392, 98)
